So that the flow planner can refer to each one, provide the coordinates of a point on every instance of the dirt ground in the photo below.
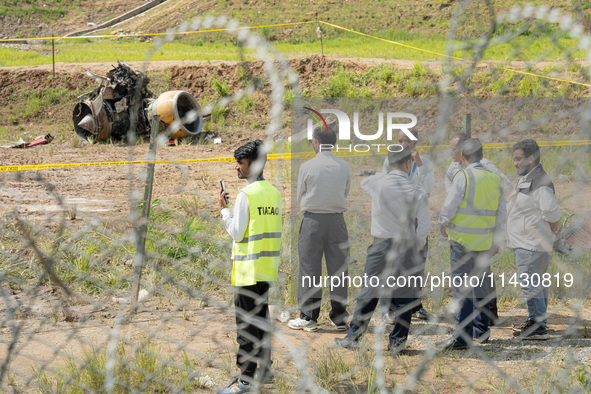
(207, 335)
(207, 332)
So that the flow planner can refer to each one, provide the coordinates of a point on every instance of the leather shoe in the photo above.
(483, 338)
(396, 346)
(452, 344)
(347, 343)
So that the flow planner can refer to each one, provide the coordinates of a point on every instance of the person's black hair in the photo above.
(250, 151)
(529, 148)
(326, 137)
(462, 137)
(472, 150)
(397, 159)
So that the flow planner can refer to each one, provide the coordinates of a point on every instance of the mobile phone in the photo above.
(224, 189)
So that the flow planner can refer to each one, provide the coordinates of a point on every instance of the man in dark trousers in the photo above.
(400, 223)
(422, 172)
(323, 187)
(474, 214)
(255, 227)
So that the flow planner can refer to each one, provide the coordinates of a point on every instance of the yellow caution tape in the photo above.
(278, 25)
(153, 34)
(452, 57)
(272, 156)
(546, 77)
(392, 42)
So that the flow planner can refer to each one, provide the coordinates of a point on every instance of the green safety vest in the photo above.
(256, 257)
(474, 223)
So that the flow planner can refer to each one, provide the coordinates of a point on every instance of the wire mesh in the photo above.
(67, 264)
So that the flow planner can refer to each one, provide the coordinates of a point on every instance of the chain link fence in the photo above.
(68, 261)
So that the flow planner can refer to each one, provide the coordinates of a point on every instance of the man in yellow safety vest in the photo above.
(255, 227)
(474, 212)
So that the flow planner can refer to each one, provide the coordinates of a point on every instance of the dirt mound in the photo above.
(198, 78)
(12, 82)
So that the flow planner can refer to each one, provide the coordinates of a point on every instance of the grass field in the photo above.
(402, 46)
(188, 250)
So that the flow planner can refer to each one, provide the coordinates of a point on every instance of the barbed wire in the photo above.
(67, 272)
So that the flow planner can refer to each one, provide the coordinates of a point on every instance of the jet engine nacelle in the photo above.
(107, 112)
(180, 113)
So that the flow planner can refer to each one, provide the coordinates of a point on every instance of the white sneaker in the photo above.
(302, 324)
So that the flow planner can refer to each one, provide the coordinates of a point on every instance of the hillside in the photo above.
(38, 18)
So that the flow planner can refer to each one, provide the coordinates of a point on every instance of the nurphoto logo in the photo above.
(393, 126)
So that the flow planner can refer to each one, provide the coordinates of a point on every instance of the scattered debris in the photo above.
(18, 144)
(576, 238)
(366, 172)
(205, 381)
(142, 295)
(123, 102)
(217, 141)
(40, 140)
(277, 314)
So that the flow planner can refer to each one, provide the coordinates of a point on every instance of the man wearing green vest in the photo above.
(255, 227)
(474, 213)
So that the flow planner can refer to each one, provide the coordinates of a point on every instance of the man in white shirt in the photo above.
(399, 224)
(532, 225)
(255, 227)
(323, 186)
(422, 173)
(456, 164)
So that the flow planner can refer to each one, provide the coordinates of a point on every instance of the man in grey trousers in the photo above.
(532, 225)
(323, 187)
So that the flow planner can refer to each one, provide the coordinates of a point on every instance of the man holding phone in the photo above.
(422, 173)
(255, 227)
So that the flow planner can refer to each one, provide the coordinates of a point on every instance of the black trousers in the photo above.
(253, 326)
(385, 259)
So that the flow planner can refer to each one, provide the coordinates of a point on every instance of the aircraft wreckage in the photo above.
(123, 101)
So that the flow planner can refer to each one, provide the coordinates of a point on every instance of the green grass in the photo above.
(184, 252)
(349, 45)
(143, 367)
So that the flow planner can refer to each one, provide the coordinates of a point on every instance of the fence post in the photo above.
(142, 227)
(53, 54)
(468, 125)
(319, 34)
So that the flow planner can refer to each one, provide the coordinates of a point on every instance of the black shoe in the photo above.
(347, 343)
(520, 327)
(452, 343)
(422, 314)
(396, 346)
(264, 376)
(532, 330)
(389, 318)
(483, 338)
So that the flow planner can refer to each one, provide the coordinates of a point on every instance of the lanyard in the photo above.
(412, 172)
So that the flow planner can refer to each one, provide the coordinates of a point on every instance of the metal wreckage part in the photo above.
(123, 99)
(576, 238)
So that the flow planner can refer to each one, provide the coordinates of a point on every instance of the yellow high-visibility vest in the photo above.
(256, 257)
(474, 223)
